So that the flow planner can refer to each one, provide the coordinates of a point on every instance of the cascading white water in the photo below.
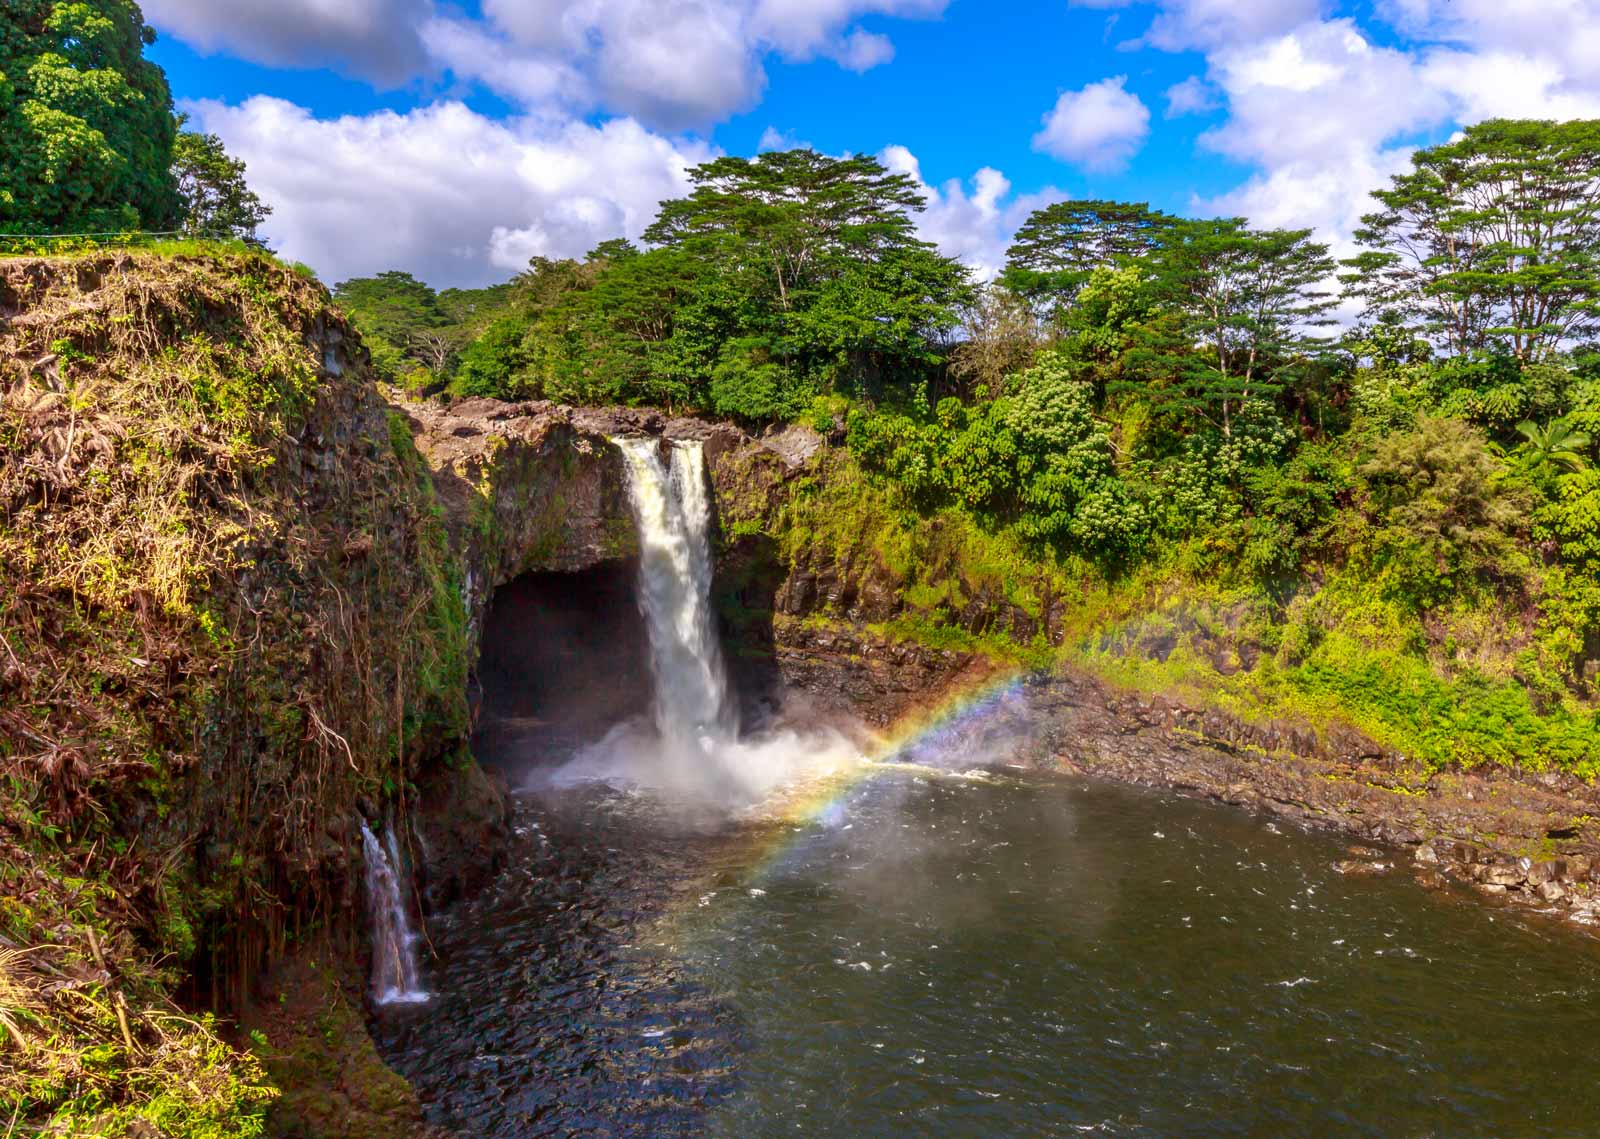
(691, 748)
(396, 975)
(673, 510)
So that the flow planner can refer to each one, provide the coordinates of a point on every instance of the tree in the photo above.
(815, 258)
(495, 363)
(397, 316)
(87, 122)
(1233, 307)
(216, 200)
(1446, 507)
(1000, 337)
(785, 219)
(1491, 243)
(1060, 246)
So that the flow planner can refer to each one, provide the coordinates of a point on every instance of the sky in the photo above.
(458, 140)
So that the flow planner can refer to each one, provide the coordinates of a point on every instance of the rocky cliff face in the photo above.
(230, 619)
(536, 487)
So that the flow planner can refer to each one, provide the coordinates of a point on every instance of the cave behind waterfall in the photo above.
(565, 656)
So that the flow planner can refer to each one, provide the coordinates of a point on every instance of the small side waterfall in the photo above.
(672, 506)
(396, 975)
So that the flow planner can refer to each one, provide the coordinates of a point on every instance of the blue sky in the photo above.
(457, 141)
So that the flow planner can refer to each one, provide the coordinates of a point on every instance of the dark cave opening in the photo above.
(564, 657)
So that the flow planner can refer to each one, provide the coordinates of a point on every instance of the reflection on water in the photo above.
(980, 957)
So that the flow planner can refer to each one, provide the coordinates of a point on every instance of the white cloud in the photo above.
(442, 191)
(677, 64)
(375, 39)
(1099, 127)
(1182, 24)
(1210, 23)
(974, 222)
(1500, 84)
(1566, 33)
(672, 64)
(774, 139)
(1321, 94)
(1317, 112)
(1325, 113)
(862, 51)
(1193, 96)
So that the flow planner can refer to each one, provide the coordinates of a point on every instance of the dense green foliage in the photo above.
(778, 280)
(1143, 397)
(91, 142)
(87, 121)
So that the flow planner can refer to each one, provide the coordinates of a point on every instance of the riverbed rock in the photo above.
(1502, 875)
(1549, 891)
(1362, 868)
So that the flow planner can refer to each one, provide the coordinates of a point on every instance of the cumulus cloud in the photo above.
(376, 39)
(1317, 111)
(1099, 127)
(671, 64)
(457, 198)
(972, 221)
(1193, 96)
(678, 64)
(1326, 110)
(1182, 24)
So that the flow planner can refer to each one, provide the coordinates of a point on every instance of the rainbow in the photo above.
(791, 815)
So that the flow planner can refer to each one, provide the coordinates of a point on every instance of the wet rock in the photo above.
(1360, 868)
(1426, 855)
(1490, 888)
(1551, 891)
(1430, 879)
(1500, 875)
(1364, 851)
(462, 823)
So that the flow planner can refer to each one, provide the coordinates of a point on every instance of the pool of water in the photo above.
(989, 955)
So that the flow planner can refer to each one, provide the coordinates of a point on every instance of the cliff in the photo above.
(230, 617)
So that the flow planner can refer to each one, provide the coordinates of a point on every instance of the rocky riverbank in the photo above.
(809, 622)
(1520, 838)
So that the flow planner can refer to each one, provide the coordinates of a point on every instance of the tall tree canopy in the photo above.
(785, 275)
(87, 122)
(216, 200)
(1491, 243)
(1060, 246)
(400, 319)
(1234, 308)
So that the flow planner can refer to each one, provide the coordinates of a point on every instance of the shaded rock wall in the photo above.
(535, 488)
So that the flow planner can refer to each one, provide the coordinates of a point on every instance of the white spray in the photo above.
(396, 975)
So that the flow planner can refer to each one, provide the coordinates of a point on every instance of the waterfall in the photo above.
(396, 975)
(690, 748)
(672, 506)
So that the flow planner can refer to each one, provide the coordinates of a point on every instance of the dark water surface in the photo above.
(955, 956)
